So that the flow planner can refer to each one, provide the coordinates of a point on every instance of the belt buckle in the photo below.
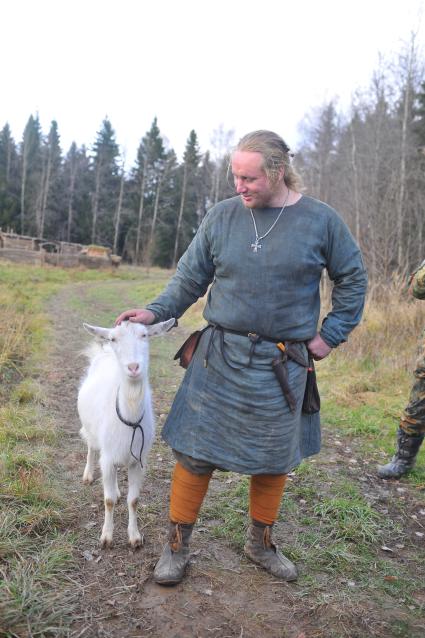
(253, 337)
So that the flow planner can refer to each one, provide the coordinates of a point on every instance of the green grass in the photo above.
(339, 537)
(349, 519)
(363, 396)
(35, 554)
(229, 506)
(35, 597)
(35, 551)
(326, 524)
(363, 420)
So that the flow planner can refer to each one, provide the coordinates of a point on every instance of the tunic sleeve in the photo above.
(195, 271)
(346, 269)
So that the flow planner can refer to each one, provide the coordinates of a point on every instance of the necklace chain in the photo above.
(256, 245)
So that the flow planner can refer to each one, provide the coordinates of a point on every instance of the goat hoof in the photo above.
(137, 541)
(88, 479)
(105, 542)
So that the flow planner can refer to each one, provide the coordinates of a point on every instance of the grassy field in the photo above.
(341, 529)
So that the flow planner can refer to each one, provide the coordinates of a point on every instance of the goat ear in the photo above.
(96, 331)
(160, 328)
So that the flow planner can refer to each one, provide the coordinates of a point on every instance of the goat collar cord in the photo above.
(137, 425)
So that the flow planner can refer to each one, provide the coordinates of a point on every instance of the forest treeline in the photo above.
(367, 162)
(148, 214)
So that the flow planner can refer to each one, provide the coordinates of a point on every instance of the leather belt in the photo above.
(253, 336)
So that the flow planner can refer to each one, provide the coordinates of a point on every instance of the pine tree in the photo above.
(148, 176)
(165, 228)
(78, 187)
(106, 170)
(31, 175)
(188, 217)
(9, 179)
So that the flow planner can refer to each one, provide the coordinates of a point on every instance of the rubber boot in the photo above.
(260, 549)
(404, 459)
(171, 566)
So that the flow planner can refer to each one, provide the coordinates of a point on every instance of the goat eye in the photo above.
(113, 339)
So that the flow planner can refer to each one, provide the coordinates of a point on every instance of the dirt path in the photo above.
(224, 595)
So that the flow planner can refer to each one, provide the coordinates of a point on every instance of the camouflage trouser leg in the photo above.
(413, 417)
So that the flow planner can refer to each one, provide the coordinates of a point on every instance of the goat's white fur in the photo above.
(118, 364)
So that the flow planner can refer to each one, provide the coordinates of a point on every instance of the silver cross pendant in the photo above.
(255, 246)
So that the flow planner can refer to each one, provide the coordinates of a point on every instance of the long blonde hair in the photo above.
(276, 155)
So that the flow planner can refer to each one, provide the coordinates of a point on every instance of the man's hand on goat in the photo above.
(318, 348)
(136, 315)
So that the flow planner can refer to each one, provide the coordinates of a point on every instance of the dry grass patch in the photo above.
(368, 379)
(12, 337)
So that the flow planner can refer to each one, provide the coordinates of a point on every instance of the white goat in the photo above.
(115, 409)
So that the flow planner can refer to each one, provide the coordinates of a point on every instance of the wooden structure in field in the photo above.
(20, 248)
(30, 250)
(94, 256)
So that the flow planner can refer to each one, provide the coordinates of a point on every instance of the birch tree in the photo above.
(408, 68)
(221, 142)
(119, 209)
(50, 180)
(72, 164)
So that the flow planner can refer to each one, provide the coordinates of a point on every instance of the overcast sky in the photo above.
(242, 64)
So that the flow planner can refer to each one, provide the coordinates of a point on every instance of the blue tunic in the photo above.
(239, 419)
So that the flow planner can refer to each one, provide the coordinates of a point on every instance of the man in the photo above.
(411, 430)
(263, 252)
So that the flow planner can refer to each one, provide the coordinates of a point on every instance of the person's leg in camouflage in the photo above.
(412, 426)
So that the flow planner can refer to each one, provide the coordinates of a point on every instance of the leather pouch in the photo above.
(311, 401)
(187, 350)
